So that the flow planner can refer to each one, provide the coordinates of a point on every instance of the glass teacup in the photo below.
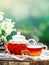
(35, 49)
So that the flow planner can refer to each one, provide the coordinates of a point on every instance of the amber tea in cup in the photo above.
(35, 50)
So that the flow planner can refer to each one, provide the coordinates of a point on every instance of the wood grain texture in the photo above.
(40, 63)
(26, 63)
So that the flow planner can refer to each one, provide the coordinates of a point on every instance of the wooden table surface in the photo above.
(27, 61)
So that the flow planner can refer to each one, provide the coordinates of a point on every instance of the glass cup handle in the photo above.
(45, 47)
(32, 42)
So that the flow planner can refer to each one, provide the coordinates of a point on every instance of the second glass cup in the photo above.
(34, 48)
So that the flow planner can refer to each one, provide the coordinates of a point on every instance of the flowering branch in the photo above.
(6, 27)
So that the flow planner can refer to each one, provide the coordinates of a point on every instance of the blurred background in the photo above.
(31, 17)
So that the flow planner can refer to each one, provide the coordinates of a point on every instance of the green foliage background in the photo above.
(38, 27)
(36, 17)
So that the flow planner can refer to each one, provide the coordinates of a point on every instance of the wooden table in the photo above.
(27, 61)
(23, 62)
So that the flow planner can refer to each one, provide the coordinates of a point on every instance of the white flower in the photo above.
(4, 38)
(1, 16)
(8, 31)
(7, 26)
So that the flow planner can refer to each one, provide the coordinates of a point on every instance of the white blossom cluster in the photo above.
(6, 26)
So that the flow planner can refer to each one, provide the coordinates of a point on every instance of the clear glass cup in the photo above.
(34, 48)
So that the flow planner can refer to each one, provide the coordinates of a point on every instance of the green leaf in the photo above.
(3, 32)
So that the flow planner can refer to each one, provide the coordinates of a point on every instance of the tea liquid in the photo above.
(16, 48)
(34, 51)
